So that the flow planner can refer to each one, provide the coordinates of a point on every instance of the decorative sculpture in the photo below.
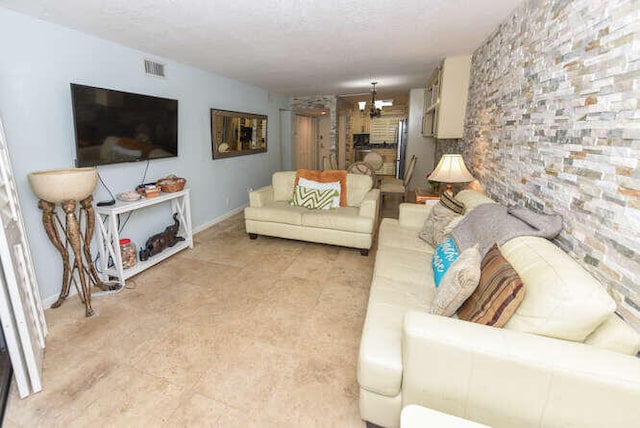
(158, 242)
(66, 187)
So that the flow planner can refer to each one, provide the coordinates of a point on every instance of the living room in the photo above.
(551, 124)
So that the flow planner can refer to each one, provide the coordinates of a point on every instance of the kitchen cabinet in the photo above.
(360, 122)
(384, 130)
(445, 98)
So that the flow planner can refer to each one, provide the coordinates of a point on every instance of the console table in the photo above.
(109, 236)
(427, 197)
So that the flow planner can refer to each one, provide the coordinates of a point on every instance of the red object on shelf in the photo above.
(124, 241)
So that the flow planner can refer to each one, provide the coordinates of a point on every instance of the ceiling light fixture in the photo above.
(374, 111)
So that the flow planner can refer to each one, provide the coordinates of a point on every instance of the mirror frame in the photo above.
(215, 113)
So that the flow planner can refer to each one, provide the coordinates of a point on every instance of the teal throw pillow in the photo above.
(446, 253)
(314, 199)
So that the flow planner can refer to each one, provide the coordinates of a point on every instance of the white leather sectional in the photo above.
(270, 213)
(563, 360)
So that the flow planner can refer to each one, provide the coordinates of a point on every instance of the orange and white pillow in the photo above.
(329, 176)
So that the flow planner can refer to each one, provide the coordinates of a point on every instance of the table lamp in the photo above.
(451, 169)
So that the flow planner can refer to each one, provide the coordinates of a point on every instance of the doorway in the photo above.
(306, 147)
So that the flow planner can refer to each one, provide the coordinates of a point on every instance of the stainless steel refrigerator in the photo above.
(401, 140)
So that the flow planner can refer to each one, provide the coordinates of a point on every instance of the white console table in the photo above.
(109, 236)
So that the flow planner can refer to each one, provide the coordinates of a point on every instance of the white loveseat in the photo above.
(270, 213)
(500, 377)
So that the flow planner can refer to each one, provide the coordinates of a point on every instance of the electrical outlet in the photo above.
(228, 202)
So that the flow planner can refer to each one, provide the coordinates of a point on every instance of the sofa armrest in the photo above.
(261, 196)
(413, 215)
(506, 378)
(369, 205)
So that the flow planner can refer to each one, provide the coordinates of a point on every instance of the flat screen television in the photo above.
(115, 126)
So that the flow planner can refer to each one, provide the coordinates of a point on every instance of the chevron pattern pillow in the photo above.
(314, 199)
(310, 184)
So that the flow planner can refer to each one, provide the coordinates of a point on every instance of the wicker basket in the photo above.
(171, 184)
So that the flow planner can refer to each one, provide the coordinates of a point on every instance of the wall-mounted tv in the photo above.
(114, 126)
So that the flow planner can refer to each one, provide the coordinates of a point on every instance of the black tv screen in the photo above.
(114, 126)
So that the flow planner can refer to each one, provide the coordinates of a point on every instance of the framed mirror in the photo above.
(235, 133)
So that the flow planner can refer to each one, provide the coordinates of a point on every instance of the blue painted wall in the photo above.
(38, 60)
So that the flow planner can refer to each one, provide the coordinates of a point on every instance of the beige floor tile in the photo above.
(333, 327)
(234, 333)
(318, 393)
(128, 397)
(310, 264)
(196, 410)
(247, 369)
(181, 357)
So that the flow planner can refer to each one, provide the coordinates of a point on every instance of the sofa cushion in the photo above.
(380, 359)
(327, 177)
(314, 199)
(562, 300)
(357, 187)
(401, 265)
(283, 183)
(277, 211)
(392, 235)
(341, 218)
(498, 295)
(615, 335)
(460, 280)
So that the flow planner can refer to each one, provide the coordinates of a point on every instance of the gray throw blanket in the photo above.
(491, 223)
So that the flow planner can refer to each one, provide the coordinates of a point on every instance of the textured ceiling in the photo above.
(290, 47)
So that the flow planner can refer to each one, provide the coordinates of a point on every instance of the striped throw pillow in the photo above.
(453, 204)
(499, 293)
(314, 199)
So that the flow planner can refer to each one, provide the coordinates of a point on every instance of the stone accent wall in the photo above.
(345, 110)
(328, 102)
(553, 124)
(448, 147)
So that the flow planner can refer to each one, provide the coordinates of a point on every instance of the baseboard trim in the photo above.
(48, 301)
(219, 219)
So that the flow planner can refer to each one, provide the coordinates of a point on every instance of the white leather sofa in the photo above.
(505, 377)
(270, 213)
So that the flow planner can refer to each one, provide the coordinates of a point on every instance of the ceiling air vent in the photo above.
(154, 68)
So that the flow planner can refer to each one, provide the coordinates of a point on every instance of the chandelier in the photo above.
(375, 106)
(374, 111)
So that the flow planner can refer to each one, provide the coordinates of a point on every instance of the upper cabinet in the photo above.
(445, 98)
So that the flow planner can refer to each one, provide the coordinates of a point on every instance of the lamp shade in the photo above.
(451, 169)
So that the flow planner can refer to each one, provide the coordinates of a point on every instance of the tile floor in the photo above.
(234, 333)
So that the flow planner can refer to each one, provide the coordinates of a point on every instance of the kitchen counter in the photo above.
(375, 146)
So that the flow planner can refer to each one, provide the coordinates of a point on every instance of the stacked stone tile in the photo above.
(553, 124)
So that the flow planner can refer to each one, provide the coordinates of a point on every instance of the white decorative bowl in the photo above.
(59, 185)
